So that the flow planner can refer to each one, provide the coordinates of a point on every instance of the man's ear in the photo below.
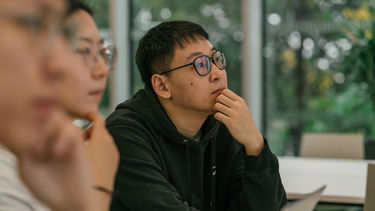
(161, 86)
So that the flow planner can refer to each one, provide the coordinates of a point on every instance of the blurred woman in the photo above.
(36, 56)
(82, 90)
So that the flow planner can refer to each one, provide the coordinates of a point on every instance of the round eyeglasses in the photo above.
(107, 51)
(202, 64)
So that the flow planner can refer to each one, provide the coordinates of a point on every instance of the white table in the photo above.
(345, 179)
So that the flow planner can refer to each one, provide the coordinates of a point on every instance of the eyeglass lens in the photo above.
(108, 53)
(203, 64)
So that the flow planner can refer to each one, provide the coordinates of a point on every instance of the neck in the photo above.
(186, 121)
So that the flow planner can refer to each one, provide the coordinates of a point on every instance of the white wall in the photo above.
(252, 78)
(120, 78)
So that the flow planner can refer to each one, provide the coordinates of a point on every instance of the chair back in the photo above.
(370, 188)
(332, 145)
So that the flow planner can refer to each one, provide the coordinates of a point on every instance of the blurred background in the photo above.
(302, 66)
(317, 59)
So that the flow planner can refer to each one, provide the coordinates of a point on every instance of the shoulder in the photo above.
(14, 195)
(125, 118)
(131, 132)
(122, 116)
(8, 167)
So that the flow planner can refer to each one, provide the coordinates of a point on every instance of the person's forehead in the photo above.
(196, 47)
(56, 5)
(53, 5)
(86, 27)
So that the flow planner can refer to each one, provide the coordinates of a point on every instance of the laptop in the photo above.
(370, 188)
(306, 203)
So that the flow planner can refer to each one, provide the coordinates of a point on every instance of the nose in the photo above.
(56, 60)
(216, 74)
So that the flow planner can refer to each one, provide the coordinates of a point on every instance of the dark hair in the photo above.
(156, 48)
(75, 5)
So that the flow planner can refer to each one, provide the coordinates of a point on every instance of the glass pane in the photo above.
(220, 18)
(319, 69)
(101, 16)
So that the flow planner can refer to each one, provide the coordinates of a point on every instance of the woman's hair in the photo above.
(75, 5)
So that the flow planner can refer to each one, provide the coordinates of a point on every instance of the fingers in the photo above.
(221, 117)
(59, 145)
(223, 109)
(229, 98)
(229, 106)
(225, 100)
(96, 118)
(91, 116)
(49, 136)
(231, 95)
(98, 123)
(69, 137)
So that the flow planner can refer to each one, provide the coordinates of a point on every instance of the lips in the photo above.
(218, 90)
(96, 93)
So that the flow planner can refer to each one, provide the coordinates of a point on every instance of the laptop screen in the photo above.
(306, 203)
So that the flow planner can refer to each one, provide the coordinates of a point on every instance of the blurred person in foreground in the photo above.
(35, 47)
(186, 141)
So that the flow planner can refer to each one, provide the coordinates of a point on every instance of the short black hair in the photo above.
(156, 48)
(75, 5)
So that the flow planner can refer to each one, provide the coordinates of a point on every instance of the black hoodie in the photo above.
(160, 169)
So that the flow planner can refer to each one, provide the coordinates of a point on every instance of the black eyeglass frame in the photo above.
(211, 58)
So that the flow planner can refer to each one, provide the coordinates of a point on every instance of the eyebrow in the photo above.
(86, 39)
(197, 54)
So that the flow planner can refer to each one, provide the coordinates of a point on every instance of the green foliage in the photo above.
(221, 37)
(101, 16)
(101, 12)
(359, 65)
(324, 83)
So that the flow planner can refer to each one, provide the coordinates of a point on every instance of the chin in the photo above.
(211, 112)
(94, 109)
(83, 112)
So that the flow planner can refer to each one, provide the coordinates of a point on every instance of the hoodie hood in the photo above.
(146, 104)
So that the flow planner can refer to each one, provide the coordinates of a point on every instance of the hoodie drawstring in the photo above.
(186, 142)
(213, 175)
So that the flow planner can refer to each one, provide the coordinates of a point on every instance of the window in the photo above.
(101, 16)
(318, 69)
(220, 18)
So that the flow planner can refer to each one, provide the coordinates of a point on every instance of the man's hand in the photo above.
(233, 112)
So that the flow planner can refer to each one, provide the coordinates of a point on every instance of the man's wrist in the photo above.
(254, 147)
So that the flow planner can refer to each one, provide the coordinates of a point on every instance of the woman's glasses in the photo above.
(107, 51)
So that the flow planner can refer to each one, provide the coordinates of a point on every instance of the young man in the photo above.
(186, 142)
